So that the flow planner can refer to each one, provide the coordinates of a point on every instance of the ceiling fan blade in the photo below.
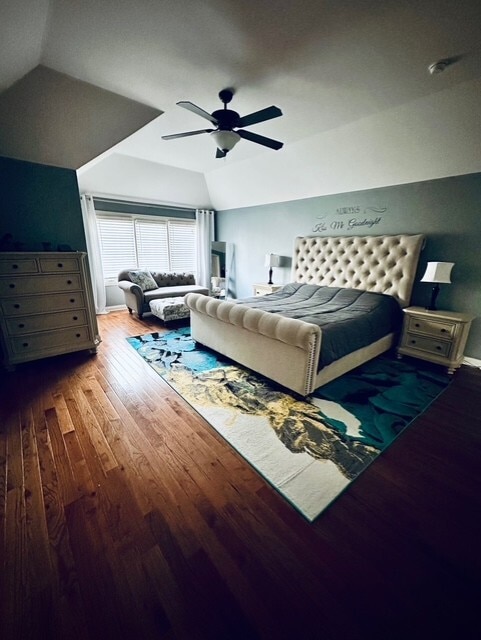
(259, 116)
(187, 133)
(190, 106)
(220, 154)
(255, 137)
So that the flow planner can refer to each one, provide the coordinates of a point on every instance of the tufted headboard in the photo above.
(383, 264)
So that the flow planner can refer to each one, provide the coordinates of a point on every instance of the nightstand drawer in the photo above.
(431, 327)
(428, 345)
(435, 336)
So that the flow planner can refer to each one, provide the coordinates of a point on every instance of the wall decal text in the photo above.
(360, 217)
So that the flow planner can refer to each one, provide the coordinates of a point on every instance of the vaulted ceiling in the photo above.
(324, 63)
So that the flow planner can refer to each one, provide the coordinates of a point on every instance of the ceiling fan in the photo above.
(227, 133)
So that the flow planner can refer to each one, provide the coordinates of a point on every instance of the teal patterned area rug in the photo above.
(309, 449)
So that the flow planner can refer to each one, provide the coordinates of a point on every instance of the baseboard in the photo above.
(472, 362)
(116, 307)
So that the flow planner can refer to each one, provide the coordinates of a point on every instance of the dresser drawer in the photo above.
(431, 327)
(39, 284)
(50, 340)
(30, 324)
(57, 265)
(429, 345)
(23, 265)
(40, 304)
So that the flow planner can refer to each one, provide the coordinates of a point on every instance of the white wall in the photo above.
(433, 137)
(135, 179)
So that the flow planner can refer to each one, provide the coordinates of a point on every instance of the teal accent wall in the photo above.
(447, 211)
(40, 203)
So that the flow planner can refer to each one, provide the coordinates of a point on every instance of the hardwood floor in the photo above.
(124, 515)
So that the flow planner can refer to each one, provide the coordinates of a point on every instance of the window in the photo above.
(146, 242)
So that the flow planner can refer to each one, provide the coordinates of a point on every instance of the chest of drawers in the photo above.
(46, 306)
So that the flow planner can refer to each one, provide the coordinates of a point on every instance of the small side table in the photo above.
(263, 289)
(435, 336)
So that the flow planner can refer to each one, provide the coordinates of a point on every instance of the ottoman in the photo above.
(168, 309)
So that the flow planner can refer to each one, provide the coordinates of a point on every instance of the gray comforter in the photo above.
(349, 319)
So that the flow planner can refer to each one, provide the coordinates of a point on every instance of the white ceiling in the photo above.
(324, 63)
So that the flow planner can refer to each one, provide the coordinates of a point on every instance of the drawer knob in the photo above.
(25, 344)
(438, 348)
(21, 325)
(443, 330)
(75, 318)
(16, 306)
(72, 299)
(413, 341)
(69, 282)
(77, 335)
(416, 324)
(14, 266)
(59, 265)
(11, 285)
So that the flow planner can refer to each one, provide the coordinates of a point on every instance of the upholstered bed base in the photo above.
(286, 349)
(289, 355)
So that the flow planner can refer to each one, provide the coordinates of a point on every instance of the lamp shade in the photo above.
(272, 260)
(438, 272)
(225, 140)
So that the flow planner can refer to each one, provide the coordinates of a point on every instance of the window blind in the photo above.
(117, 244)
(146, 243)
(152, 245)
(182, 243)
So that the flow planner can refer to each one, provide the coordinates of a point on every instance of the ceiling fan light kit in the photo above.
(225, 140)
(226, 120)
(441, 65)
(437, 67)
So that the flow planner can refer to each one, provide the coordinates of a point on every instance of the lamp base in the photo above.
(270, 277)
(434, 295)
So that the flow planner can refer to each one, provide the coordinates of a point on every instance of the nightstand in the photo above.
(436, 336)
(263, 289)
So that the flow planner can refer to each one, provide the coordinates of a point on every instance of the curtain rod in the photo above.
(143, 204)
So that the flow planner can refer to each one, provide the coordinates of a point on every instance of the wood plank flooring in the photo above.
(124, 515)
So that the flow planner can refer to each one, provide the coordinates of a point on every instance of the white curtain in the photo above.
(205, 236)
(93, 250)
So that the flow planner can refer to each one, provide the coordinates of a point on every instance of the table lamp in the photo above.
(437, 273)
(272, 260)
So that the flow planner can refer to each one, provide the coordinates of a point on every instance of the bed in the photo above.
(259, 334)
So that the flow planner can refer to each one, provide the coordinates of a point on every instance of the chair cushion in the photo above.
(171, 292)
(144, 279)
